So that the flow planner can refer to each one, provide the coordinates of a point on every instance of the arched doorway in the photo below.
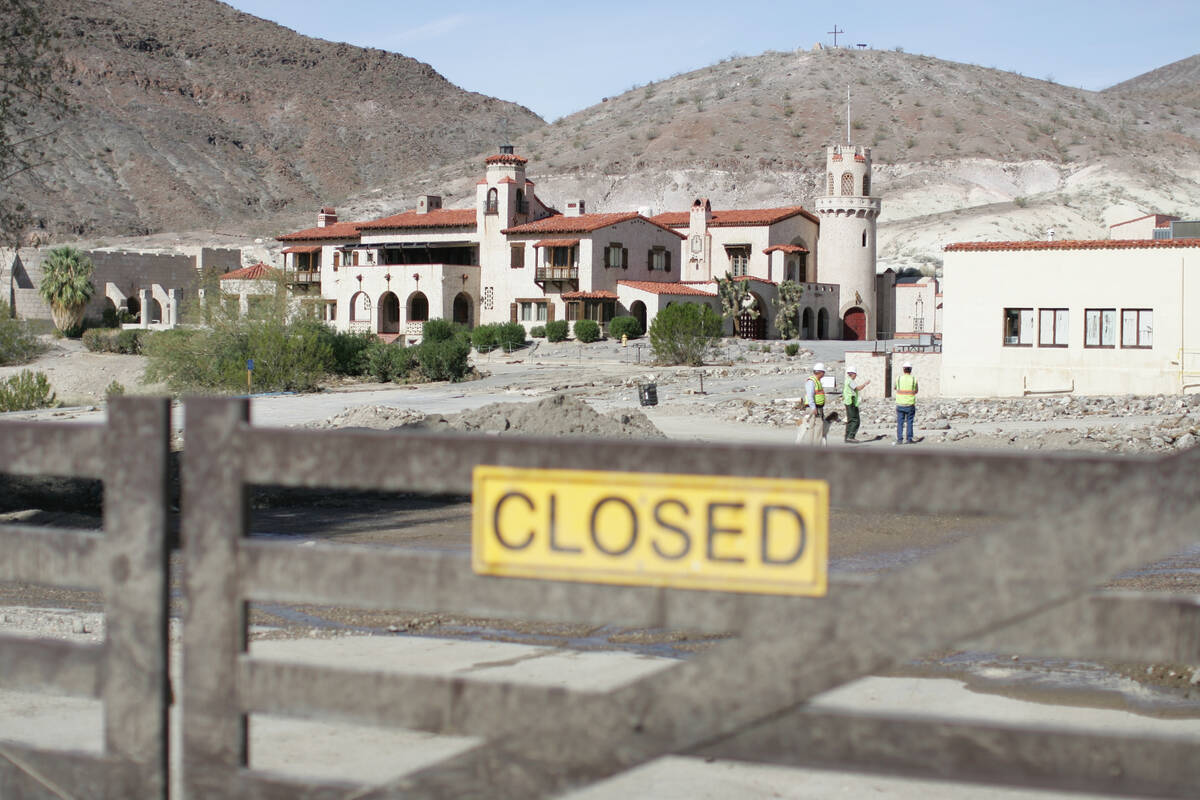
(806, 324)
(418, 307)
(156, 311)
(854, 325)
(462, 309)
(389, 313)
(638, 312)
(749, 325)
(823, 324)
(360, 307)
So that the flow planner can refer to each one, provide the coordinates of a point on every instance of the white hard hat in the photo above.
(907, 365)
(819, 366)
(851, 370)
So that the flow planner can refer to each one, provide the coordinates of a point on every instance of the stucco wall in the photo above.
(871, 367)
(981, 284)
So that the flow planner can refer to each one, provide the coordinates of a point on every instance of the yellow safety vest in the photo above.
(818, 391)
(906, 390)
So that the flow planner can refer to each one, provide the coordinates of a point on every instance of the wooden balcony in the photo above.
(559, 275)
(302, 276)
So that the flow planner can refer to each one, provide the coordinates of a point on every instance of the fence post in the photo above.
(215, 517)
(135, 683)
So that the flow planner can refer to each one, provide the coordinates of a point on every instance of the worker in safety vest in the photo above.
(906, 404)
(852, 401)
(814, 391)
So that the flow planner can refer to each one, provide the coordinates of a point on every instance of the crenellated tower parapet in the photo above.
(846, 249)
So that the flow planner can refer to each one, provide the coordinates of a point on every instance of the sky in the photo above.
(559, 58)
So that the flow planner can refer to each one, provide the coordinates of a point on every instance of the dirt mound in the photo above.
(559, 415)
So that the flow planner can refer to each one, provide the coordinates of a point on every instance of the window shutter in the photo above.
(512, 309)
(624, 258)
(667, 261)
(606, 251)
(549, 312)
(650, 259)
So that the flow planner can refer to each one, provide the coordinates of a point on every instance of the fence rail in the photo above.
(1024, 585)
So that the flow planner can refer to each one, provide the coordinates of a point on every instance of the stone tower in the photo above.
(846, 248)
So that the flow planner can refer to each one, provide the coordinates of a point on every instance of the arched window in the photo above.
(360, 307)
(493, 202)
(847, 184)
(864, 238)
(867, 185)
(829, 183)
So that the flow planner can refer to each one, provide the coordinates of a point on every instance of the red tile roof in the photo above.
(506, 158)
(600, 295)
(437, 218)
(556, 243)
(667, 287)
(307, 248)
(252, 273)
(338, 230)
(1072, 244)
(1160, 220)
(786, 248)
(736, 217)
(584, 223)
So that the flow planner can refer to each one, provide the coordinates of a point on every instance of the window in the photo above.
(829, 183)
(337, 257)
(660, 259)
(1018, 327)
(573, 311)
(739, 260)
(847, 183)
(557, 256)
(331, 311)
(1137, 327)
(516, 258)
(493, 204)
(533, 311)
(867, 185)
(864, 238)
(354, 257)
(1052, 327)
(1100, 327)
(616, 256)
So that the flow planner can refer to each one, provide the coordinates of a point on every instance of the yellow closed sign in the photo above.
(762, 535)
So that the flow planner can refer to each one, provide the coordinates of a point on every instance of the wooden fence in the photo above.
(1023, 586)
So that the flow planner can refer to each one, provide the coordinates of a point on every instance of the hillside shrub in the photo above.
(111, 340)
(625, 326)
(439, 330)
(587, 330)
(556, 331)
(114, 389)
(25, 391)
(18, 343)
(684, 333)
(445, 360)
(791, 348)
(387, 362)
(349, 350)
(538, 332)
(510, 336)
(485, 338)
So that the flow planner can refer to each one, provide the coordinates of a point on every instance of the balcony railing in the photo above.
(557, 273)
(305, 276)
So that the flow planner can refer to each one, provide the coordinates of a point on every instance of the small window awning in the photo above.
(556, 243)
(308, 248)
(598, 295)
(786, 248)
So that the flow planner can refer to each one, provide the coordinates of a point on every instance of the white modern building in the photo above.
(1083, 317)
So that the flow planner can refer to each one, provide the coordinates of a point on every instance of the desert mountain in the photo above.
(191, 114)
(960, 151)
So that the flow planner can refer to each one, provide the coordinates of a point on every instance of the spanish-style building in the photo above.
(514, 258)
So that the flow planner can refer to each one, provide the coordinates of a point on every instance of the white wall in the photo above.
(981, 284)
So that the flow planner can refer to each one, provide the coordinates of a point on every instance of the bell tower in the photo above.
(846, 247)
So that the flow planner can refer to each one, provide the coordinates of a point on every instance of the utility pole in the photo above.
(835, 33)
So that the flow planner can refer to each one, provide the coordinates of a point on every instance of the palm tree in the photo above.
(67, 287)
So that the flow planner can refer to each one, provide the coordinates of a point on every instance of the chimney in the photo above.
(506, 149)
(428, 202)
(574, 209)
(326, 217)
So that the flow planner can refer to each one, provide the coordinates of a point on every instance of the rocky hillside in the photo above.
(960, 151)
(193, 115)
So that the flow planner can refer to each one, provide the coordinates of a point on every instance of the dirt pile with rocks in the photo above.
(558, 415)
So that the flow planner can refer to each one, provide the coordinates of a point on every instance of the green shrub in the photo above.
(443, 361)
(510, 336)
(485, 338)
(627, 326)
(439, 330)
(116, 317)
(114, 389)
(538, 332)
(791, 349)
(349, 350)
(286, 357)
(684, 333)
(24, 391)
(18, 344)
(556, 331)
(587, 330)
(110, 340)
(388, 362)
